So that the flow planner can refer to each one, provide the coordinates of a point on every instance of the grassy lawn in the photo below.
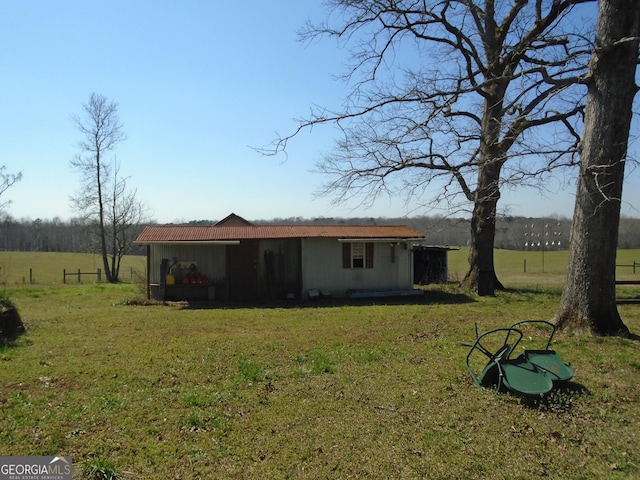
(318, 390)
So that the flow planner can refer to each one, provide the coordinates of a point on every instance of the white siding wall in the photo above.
(322, 268)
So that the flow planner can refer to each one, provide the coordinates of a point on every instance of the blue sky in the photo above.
(198, 84)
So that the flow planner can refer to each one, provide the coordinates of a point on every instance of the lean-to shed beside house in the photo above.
(238, 261)
(430, 264)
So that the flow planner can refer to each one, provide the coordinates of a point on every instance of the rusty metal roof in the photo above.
(221, 233)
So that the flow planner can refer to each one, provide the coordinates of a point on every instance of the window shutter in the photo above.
(368, 255)
(346, 255)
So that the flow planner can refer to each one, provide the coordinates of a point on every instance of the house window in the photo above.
(357, 255)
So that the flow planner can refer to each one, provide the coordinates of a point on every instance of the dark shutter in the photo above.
(346, 255)
(368, 255)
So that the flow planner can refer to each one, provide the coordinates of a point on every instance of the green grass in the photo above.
(510, 267)
(24, 268)
(366, 390)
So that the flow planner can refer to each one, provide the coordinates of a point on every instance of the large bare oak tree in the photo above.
(453, 100)
(589, 297)
(104, 198)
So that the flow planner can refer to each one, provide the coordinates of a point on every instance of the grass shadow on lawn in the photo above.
(561, 399)
(429, 297)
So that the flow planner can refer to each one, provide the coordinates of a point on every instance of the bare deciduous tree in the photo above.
(589, 297)
(125, 212)
(458, 97)
(104, 197)
(7, 180)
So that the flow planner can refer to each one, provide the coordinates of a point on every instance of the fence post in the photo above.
(30, 276)
(64, 275)
(78, 275)
(525, 265)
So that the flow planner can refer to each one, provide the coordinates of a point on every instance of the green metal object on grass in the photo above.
(547, 359)
(533, 372)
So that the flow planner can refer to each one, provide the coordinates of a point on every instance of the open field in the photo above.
(318, 390)
(21, 268)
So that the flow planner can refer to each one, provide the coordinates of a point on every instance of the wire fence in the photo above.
(32, 276)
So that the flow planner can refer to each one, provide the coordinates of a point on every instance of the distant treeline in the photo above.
(55, 235)
(512, 233)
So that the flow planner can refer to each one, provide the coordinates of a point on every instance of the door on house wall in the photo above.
(242, 271)
(279, 272)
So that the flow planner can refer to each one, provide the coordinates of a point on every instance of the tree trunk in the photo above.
(101, 217)
(588, 301)
(482, 274)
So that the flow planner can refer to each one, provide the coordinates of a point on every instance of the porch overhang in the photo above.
(377, 240)
(190, 242)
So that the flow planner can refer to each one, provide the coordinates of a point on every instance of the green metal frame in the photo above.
(534, 372)
(547, 359)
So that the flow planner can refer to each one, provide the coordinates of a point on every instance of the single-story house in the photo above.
(238, 261)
